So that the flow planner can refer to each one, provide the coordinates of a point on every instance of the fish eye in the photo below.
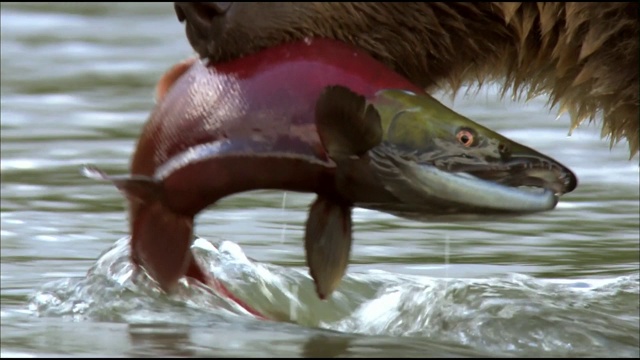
(465, 137)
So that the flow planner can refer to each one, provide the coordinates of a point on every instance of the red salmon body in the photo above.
(227, 128)
(308, 116)
(267, 99)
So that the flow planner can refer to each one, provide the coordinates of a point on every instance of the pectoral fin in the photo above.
(328, 243)
(347, 125)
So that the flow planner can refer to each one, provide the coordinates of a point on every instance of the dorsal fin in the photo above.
(346, 124)
(169, 78)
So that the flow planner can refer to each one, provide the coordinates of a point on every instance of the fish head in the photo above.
(433, 146)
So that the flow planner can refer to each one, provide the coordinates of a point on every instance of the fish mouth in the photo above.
(520, 184)
(523, 184)
(526, 172)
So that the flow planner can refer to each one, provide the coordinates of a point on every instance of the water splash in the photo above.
(512, 315)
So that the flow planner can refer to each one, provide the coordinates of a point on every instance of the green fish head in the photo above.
(425, 132)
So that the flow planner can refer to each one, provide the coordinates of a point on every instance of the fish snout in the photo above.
(541, 172)
(565, 177)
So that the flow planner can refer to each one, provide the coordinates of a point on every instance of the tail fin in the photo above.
(161, 242)
(160, 238)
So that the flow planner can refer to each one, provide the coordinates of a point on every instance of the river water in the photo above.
(77, 85)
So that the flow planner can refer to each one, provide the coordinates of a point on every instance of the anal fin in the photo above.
(346, 124)
(328, 243)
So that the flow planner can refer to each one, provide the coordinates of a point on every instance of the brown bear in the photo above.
(583, 55)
